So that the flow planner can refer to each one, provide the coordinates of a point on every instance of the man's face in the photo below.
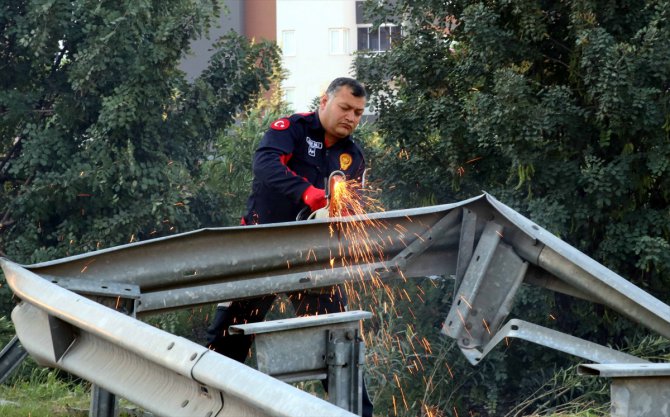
(340, 114)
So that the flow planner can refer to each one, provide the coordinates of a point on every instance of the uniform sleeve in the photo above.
(270, 164)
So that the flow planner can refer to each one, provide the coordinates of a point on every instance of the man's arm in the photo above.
(270, 166)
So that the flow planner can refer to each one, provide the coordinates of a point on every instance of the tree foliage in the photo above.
(559, 109)
(562, 110)
(228, 172)
(102, 138)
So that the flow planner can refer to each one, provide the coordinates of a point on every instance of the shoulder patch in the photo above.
(280, 124)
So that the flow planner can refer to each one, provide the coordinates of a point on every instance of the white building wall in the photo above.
(312, 66)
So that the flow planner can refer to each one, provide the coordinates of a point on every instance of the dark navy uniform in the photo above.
(292, 156)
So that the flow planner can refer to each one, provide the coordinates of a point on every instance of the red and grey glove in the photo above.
(314, 197)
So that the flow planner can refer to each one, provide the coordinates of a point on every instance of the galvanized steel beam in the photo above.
(545, 250)
(637, 390)
(163, 373)
(485, 296)
(221, 264)
(327, 346)
(556, 340)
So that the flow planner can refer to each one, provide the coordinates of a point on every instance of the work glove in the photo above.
(314, 197)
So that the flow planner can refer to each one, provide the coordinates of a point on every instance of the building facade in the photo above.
(256, 19)
(318, 40)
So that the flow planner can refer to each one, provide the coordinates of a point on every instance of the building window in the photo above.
(339, 41)
(289, 96)
(379, 39)
(288, 46)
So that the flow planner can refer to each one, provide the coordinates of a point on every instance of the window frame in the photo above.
(292, 49)
(342, 47)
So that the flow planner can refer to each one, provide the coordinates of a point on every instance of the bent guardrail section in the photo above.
(163, 373)
(488, 248)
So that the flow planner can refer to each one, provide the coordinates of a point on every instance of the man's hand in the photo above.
(314, 197)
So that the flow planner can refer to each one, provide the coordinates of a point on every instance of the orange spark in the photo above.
(466, 301)
(487, 326)
(449, 370)
(402, 393)
(86, 265)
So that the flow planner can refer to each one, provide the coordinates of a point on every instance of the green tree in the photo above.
(562, 110)
(559, 109)
(102, 138)
(228, 173)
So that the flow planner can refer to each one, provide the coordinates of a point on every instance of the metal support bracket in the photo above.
(637, 390)
(466, 246)
(485, 296)
(553, 339)
(326, 346)
(103, 403)
(425, 240)
(345, 357)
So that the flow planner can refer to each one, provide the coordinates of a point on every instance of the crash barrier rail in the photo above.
(488, 248)
(163, 373)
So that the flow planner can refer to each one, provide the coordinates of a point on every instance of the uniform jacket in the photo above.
(292, 156)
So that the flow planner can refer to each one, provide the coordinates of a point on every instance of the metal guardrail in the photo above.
(166, 374)
(486, 246)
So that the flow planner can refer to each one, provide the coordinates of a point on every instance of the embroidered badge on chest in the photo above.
(313, 146)
(345, 161)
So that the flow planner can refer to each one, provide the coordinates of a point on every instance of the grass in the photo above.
(41, 392)
(44, 393)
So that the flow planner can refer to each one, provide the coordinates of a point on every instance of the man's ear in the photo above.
(323, 101)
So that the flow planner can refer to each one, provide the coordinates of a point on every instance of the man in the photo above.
(291, 165)
(299, 152)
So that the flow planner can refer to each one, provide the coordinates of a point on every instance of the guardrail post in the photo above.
(330, 348)
(103, 403)
(10, 358)
(637, 389)
(346, 354)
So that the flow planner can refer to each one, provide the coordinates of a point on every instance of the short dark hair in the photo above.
(357, 89)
